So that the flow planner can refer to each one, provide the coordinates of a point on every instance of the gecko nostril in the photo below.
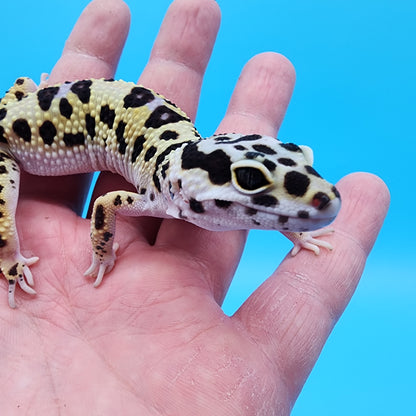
(320, 200)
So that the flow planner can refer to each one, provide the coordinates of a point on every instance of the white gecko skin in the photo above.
(224, 182)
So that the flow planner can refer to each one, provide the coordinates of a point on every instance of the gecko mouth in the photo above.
(301, 220)
(237, 216)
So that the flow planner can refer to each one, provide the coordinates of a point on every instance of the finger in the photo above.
(95, 44)
(261, 97)
(293, 312)
(181, 52)
(258, 104)
(177, 64)
(91, 51)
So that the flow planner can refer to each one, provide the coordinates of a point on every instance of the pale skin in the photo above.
(152, 339)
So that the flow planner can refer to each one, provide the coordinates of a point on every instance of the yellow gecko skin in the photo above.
(224, 182)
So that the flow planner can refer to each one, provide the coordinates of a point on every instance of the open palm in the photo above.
(152, 339)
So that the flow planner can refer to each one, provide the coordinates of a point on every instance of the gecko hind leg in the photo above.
(13, 265)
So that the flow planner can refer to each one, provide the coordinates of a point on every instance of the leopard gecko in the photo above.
(224, 182)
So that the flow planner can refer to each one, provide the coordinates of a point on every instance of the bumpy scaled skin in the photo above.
(225, 182)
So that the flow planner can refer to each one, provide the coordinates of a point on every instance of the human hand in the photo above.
(153, 338)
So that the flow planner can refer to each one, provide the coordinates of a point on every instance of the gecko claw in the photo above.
(103, 266)
(308, 241)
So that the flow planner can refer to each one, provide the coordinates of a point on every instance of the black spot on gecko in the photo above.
(130, 200)
(172, 195)
(107, 115)
(312, 171)
(151, 151)
(99, 217)
(283, 219)
(3, 170)
(138, 97)
(82, 89)
(165, 167)
(47, 132)
(263, 149)
(171, 103)
(2, 202)
(120, 137)
(142, 191)
(223, 204)
(296, 183)
(2, 136)
(20, 81)
(169, 135)
(1, 188)
(196, 206)
(160, 159)
(90, 125)
(285, 161)
(65, 108)
(336, 192)
(265, 200)
(3, 113)
(253, 155)
(303, 214)
(163, 115)
(13, 270)
(165, 153)
(107, 236)
(117, 201)
(71, 140)
(137, 148)
(156, 182)
(248, 138)
(291, 147)
(269, 165)
(216, 163)
(240, 147)
(45, 97)
(22, 129)
(19, 95)
(3, 243)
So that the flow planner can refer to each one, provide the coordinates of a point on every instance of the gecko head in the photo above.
(251, 181)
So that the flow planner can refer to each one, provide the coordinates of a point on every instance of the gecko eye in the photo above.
(250, 177)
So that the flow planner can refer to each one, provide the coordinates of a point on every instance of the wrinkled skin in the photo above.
(152, 340)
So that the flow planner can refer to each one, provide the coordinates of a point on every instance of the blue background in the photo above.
(354, 104)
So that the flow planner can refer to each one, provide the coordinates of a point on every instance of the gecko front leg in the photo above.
(103, 225)
(308, 241)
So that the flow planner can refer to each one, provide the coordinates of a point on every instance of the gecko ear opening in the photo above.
(308, 153)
